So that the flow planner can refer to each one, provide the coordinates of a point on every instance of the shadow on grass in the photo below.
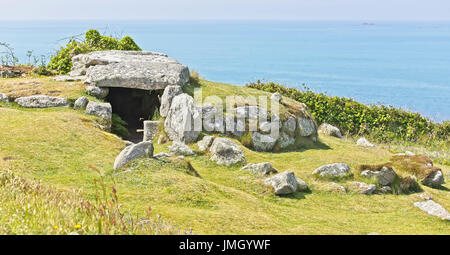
(443, 188)
(319, 145)
(297, 195)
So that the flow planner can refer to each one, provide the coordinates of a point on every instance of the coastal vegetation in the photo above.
(93, 41)
(380, 123)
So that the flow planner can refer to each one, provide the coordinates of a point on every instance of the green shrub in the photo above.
(381, 123)
(118, 126)
(127, 43)
(93, 41)
(194, 78)
(92, 38)
(43, 71)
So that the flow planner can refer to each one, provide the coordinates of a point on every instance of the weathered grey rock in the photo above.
(267, 127)
(130, 69)
(364, 188)
(263, 142)
(103, 110)
(306, 126)
(81, 103)
(251, 112)
(151, 129)
(283, 183)
(285, 141)
(205, 143)
(166, 99)
(10, 73)
(363, 142)
(179, 148)
(336, 187)
(183, 121)
(97, 92)
(3, 98)
(290, 125)
(302, 186)
(332, 170)
(433, 208)
(226, 152)
(41, 101)
(162, 155)
(384, 177)
(276, 97)
(385, 190)
(69, 78)
(329, 130)
(264, 168)
(142, 149)
(435, 179)
(234, 126)
(212, 119)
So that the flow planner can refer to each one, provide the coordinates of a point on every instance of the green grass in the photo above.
(56, 146)
(20, 87)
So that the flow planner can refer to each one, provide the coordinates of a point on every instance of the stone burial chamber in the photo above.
(135, 79)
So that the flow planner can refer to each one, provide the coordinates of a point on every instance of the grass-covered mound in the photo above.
(383, 124)
(58, 145)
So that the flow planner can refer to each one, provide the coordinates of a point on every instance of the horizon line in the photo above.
(225, 19)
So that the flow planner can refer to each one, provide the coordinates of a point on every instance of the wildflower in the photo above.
(77, 226)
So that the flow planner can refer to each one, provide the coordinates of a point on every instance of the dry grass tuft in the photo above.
(419, 165)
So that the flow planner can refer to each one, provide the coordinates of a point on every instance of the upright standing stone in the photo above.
(183, 121)
(151, 129)
(166, 99)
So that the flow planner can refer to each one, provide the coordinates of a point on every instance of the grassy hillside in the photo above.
(56, 146)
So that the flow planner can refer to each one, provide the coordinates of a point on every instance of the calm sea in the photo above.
(405, 64)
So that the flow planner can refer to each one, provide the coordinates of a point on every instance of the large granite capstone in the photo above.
(130, 69)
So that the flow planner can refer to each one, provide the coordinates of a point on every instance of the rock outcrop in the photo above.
(183, 121)
(385, 176)
(433, 208)
(226, 152)
(276, 97)
(283, 183)
(263, 142)
(364, 142)
(329, 130)
(166, 99)
(151, 129)
(364, 188)
(435, 179)
(205, 143)
(69, 78)
(332, 170)
(142, 149)
(180, 149)
(130, 69)
(97, 92)
(81, 103)
(3, 98)
(103, 110)
(264, 168)
(41, 101)
(306, 126)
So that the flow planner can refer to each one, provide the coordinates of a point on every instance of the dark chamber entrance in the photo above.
(134, 106)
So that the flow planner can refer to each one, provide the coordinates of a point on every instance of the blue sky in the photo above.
(227, 9)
